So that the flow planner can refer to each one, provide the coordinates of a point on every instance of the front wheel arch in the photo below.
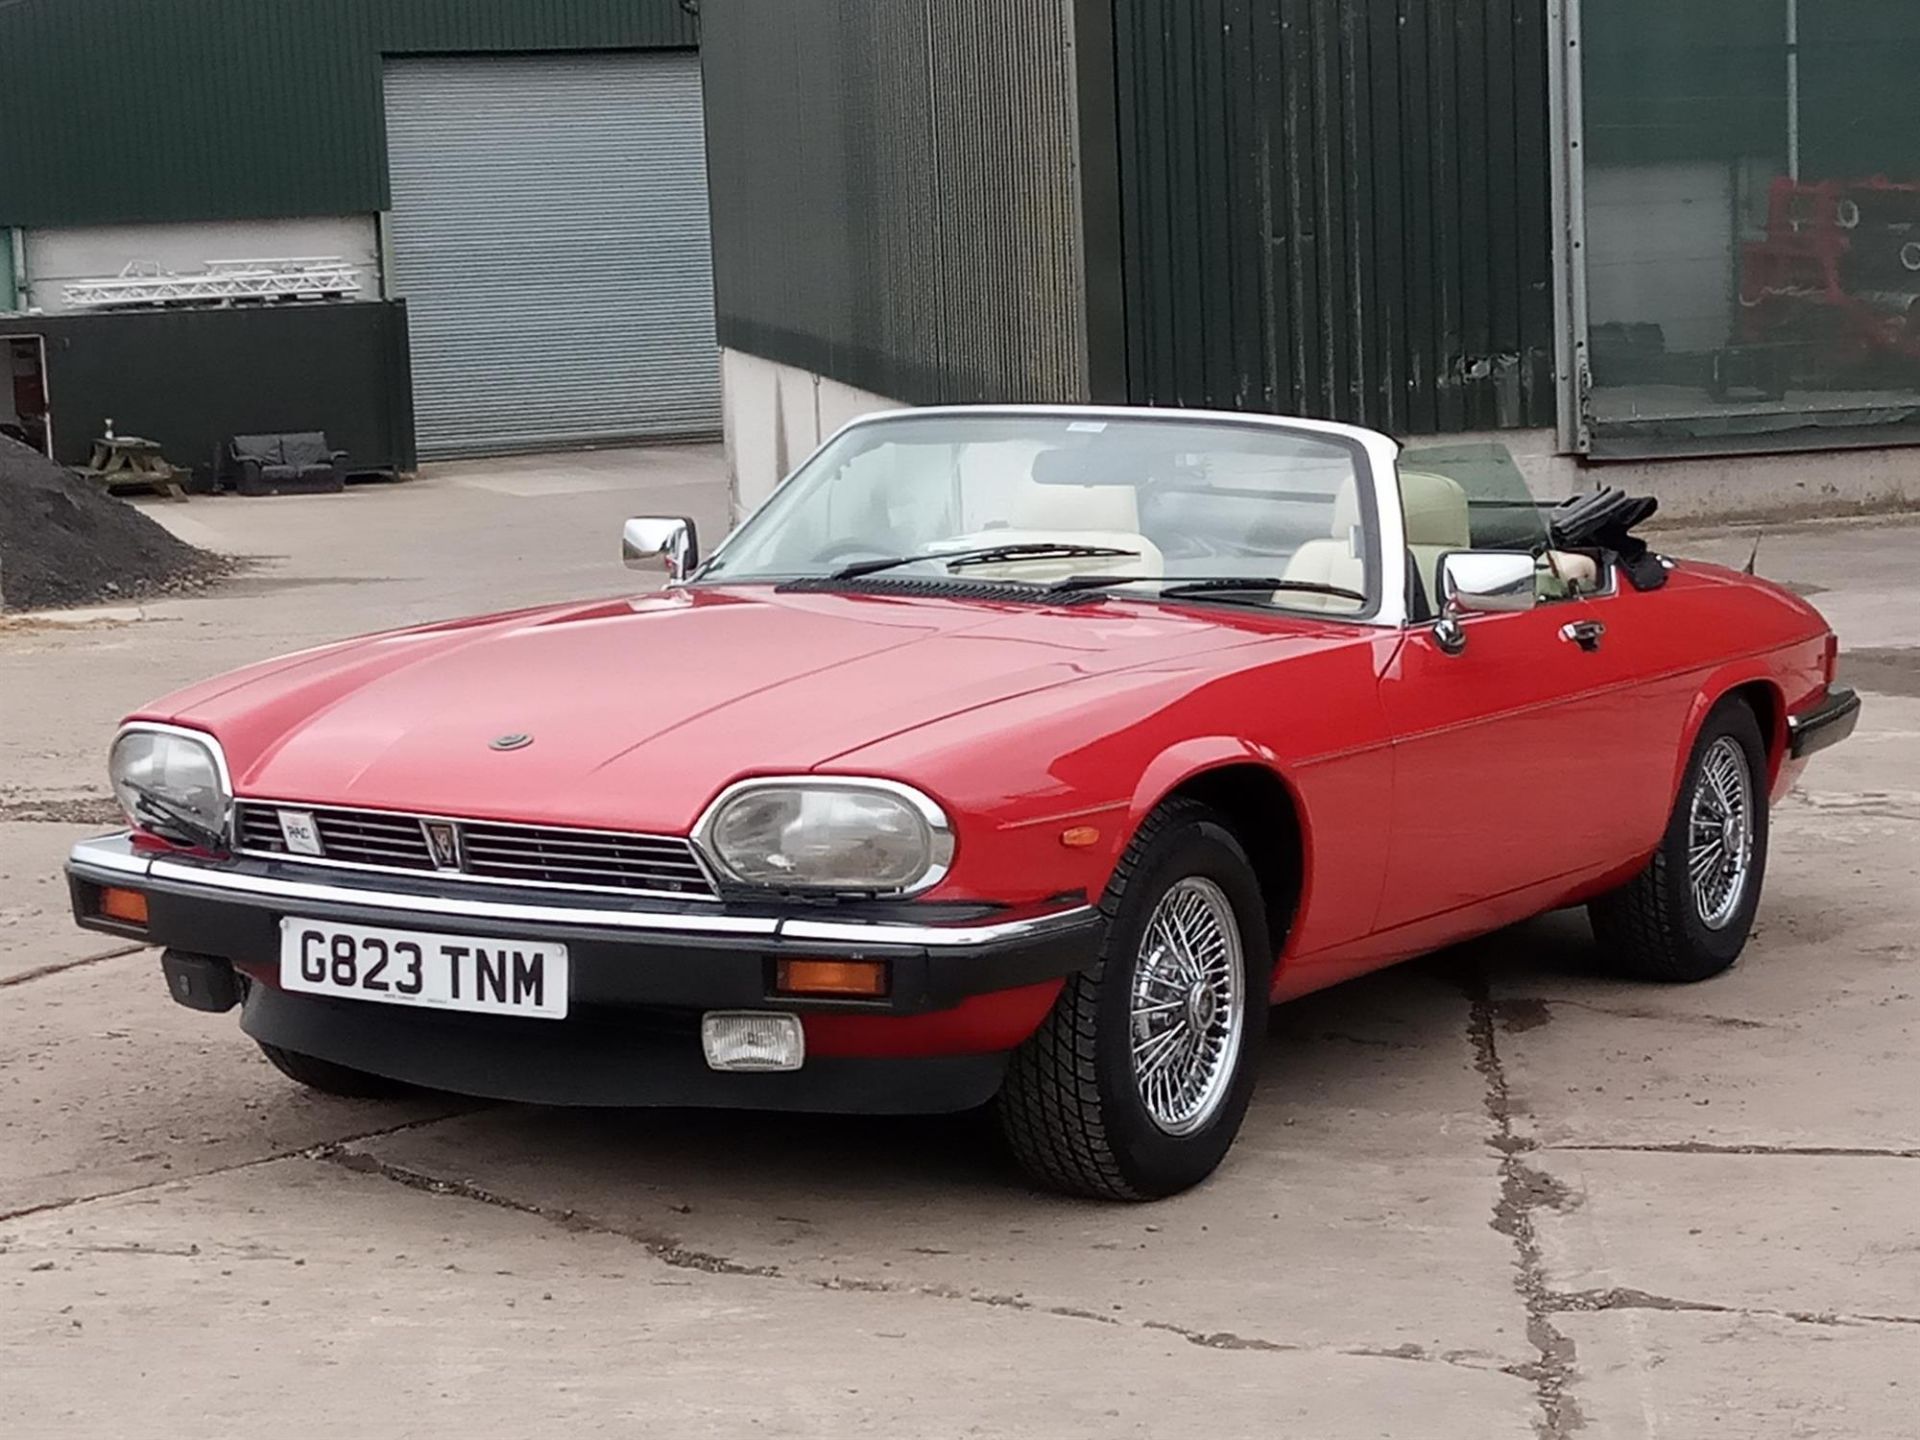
(1075, 1107)
(1253, 796)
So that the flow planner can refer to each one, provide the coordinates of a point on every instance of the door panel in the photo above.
(1637, 729)
(1508, 758)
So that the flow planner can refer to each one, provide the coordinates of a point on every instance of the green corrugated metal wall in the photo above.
(894, 193)
(1338, 208)
(1678, 82)
(191, 110)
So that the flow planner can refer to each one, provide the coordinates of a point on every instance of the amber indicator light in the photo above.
(837, 979)
(1080, 837)
(129, 907)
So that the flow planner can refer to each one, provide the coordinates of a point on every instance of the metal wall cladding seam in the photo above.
(894, 192)
(550, 233)
(117, 111)
(1338, 208)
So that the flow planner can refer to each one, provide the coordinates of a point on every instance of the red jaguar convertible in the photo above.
(1007, 755)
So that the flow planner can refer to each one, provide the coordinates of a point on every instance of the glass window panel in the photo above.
(1752, 218)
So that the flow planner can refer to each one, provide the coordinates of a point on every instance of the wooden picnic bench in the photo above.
(128, 462)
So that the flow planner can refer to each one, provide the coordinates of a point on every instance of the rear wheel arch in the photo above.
(1687, 915)
(1769, 706)
(1748, 685)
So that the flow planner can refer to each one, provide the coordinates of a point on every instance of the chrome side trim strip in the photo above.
(111, 856)
(954, 937)
(114, 853)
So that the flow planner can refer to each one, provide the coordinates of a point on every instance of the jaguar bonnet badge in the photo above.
(512, 742)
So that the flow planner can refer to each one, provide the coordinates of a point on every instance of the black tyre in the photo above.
(331, 1079)
(1686, 917)
(1136, 1085)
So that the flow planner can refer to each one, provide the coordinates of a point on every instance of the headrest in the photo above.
(1436, 511)
(1346, 509)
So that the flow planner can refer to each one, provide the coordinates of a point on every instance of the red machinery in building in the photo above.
(1833, 287)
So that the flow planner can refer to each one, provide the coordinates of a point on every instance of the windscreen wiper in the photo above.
(154, 807)
(987, 555)
(1223, 586)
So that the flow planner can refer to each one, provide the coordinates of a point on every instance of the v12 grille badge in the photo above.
(443, 843)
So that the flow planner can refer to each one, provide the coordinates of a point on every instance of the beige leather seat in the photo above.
(1336, 561)
(1436, 515)
(1104, 515)
(1437, 520)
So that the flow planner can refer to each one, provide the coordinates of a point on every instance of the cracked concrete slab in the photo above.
(490, 1321)
(1368, 1125)
(1796, 1235)
(1656, 1375)
(36, 925)
(1812, 1041)
(1719, 1178)
(103, 1087)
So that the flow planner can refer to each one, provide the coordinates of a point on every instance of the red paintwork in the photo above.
(1440, 797)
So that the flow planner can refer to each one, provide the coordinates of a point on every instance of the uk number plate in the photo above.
(411, 967)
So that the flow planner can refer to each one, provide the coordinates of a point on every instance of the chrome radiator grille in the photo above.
(482, 850)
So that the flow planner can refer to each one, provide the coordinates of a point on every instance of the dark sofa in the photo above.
(298, 463)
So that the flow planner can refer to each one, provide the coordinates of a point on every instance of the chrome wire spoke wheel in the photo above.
(1188, 1012)
(1720, 836)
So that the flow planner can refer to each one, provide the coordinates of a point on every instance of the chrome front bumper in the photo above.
(698, 953)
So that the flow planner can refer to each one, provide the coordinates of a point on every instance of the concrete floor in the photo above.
(1486, 1195)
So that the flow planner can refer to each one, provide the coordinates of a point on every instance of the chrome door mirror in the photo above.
(1483, 582)
(663, 543)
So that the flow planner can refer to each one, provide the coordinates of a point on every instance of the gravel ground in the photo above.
(64, 541)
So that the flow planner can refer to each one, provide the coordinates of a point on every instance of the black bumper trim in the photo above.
(649, 1059)
(1826, 725)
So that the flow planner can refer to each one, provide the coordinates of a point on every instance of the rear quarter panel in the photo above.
(1752, 633)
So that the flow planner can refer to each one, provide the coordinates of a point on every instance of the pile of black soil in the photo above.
(64, 541)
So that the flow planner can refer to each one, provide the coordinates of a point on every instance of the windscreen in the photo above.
(1157, 502)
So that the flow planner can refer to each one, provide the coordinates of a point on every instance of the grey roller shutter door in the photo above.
(549, 234)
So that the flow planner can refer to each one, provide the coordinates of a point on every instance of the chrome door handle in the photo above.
(1587, 634)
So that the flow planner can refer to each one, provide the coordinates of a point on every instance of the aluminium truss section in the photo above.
(223, 282)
